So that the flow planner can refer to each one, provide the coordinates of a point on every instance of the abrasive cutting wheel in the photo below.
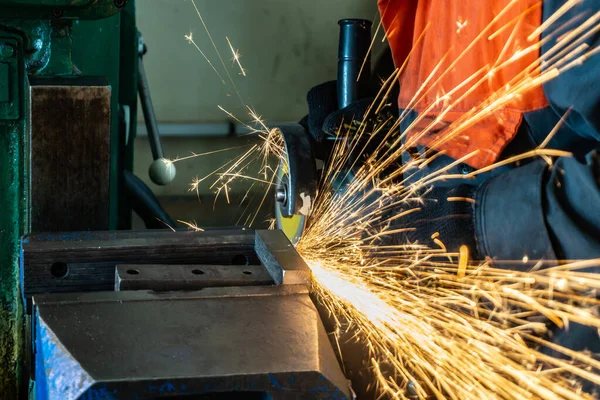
(292, 226)
(296, 183)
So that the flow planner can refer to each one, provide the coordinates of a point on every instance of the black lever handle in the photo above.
(162, 171)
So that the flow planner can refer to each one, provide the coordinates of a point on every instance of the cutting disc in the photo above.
(292, 227)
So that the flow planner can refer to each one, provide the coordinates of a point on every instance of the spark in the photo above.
(431, 327)
(553, 18)
(449, 330)
(463, 261)
(190, 39)
(194, 186)
(195, 155)
(192, 225)
(460, 25)
(236, 57)
(212, 41)
(271, 223)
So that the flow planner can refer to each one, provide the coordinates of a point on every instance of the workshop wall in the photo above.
(286, 47)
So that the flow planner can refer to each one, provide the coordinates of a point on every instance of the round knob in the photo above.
(162, 171)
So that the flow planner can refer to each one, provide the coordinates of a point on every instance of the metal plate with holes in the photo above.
(263, 340)
(86, 261)
(162, 278)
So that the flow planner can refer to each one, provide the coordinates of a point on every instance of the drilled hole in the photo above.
(133, 272)
(59, 270)
(240, 259)
(197, 272)
(246, 272)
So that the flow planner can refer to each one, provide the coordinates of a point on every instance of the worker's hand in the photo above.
(324, 119)
(443, 218)
(322, 101)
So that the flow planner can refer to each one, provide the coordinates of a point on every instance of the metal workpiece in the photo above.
(281, 259)
(259, 340)
(86, 261)
(161, 278)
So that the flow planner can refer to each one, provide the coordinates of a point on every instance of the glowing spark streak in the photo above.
(460, 25)
(555, 129)
(399, 71)
(510, 40)
(194, 187)
(432, 333)
(237, 163)
(463, 261)
(467, 199)
(190, 40)
(579, 61)
(263, 199)
(226, 193)
(553, 18)
(509, 23)
(464, 52)
(192, 225)
(236, 57)
(164, 223)
(216, 50)
(237, 175)
(194, 155)
(369, 51)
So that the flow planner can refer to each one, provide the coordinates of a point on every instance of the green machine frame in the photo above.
(54, 39)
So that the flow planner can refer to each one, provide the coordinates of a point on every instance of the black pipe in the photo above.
(354, 56)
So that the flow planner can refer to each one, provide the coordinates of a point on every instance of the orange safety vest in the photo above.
(457, 39)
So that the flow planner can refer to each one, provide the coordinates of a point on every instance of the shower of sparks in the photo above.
(266, 153)
(432, 323)
(460, 25)
(444, 327)
(236, 57)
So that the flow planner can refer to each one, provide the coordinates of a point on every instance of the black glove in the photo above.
(450, 221)
(322, 101)
(324, 119)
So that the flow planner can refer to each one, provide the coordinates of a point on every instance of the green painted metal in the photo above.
(128, 97)
(66, 9)
(104, 47)
(13, 223)
(96, 52)
(9, 82)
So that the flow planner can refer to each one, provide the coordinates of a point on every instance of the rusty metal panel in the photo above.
(70, 157)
